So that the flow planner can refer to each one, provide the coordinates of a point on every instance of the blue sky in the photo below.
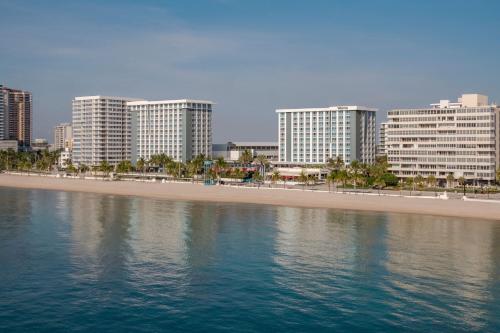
(250, 57)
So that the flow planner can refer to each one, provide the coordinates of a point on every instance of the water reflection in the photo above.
(442, 259)
(208, 266)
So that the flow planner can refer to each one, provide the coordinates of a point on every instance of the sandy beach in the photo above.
(294, 198)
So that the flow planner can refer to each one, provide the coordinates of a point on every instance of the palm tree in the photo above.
(379, 183)
(83, 168)
(409, 182)
(461, 182)
(141, 164)
(196, 164)
(263, 163)
(172, 168)
(275, 176)
(220, 166)
(246, 157)
(257, 177)
(105, 167)
(70, 168)
(343, 177)
(331, 179)
(355, 166)
(124, 167)
(420, 181)
(431, 181)
(303, 178)
(335, 164)
(450, 179)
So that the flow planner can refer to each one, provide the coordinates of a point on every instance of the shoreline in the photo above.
(266, 196)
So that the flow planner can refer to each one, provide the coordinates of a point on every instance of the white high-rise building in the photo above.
(63, 136)
(101, 130)
(460, 138)
(313, 135)
(181, 129)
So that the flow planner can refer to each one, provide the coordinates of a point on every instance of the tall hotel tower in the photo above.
(181, 129)
(101, 130)
(313, 135)
(16, 116)
(459, 138)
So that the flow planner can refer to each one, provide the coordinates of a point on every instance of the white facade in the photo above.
(63, 136)
(65, 157)
(381, 151)
(446, 138)
(101, 130)
(181, 129)
(313, 135)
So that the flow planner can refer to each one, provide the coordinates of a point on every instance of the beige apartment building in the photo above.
(63, 136)
(460, 138)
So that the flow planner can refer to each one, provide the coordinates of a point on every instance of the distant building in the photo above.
(9, 144)
(40, 144)
(381, 151)
(63, 136)
(459, 138)
(232, 150)
(101, 130)
(181, 129)
(16, 115)
(313, 135)
(65, 157)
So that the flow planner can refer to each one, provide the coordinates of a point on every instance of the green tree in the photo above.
(220, 165)
(343, 177)
(263, 163)
(330, 179)
(196, 165)
(461, 182)
(275, 177)
(379, 184)
(246, 157)
(124, 167)
(431, 182)
(355, 167)
(141, 165)
(83, 168)
(420, 181)
(409, 181)
(70, 168)
(105, 167)
(390, 179)
(336, 163)
(303, 178)
(450, 179)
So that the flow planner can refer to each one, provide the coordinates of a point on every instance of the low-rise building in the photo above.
(9, 144)
(233, 150)
(461, 139)
(40, 144)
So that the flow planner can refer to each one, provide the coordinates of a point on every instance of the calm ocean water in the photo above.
(100, 263)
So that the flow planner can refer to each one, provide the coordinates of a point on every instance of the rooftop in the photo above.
(128, 99)
(171, 101)
(331, 108)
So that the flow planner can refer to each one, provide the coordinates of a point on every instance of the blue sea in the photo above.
(101, 263)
